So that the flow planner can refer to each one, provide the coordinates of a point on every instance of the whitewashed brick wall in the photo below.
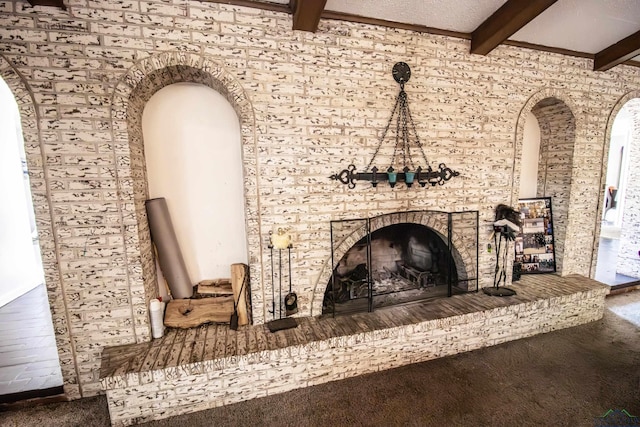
(309, 104)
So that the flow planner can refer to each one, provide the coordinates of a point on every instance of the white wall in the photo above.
(618, 163)
(530, 157)
(20, 267)
(193, 156)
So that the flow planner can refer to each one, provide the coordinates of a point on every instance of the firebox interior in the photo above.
(398, 264)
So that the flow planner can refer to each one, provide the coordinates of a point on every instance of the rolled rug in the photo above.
(169, 255)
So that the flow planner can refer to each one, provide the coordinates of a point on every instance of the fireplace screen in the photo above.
(401, 258)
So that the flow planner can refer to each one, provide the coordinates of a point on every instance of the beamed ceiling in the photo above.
(607, 31)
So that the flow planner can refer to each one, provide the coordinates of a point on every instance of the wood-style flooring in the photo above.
(28, 352)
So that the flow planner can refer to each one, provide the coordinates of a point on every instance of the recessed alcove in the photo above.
(133, 93)
(193, 160)
(557, 127)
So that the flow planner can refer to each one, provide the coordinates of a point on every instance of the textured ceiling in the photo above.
(585, 26)
(454, 15)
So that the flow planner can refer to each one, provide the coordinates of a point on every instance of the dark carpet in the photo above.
(565, 378)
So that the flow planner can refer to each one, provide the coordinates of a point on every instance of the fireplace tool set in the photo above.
(282, 241)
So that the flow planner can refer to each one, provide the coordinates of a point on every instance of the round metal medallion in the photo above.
(401, 72)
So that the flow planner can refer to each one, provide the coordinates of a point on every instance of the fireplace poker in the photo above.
(273, 290)
(280, 281)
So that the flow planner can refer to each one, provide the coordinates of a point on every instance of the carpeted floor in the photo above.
(566, 378)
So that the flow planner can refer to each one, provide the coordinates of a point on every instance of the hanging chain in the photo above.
(418, 143)
(401, 97)
(406, 148)
(384, 133)
(404, 127)
(402, 117)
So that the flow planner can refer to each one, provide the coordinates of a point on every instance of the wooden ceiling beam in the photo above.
(617, 53)
(306, 14)
(504, 22)
(54, 3)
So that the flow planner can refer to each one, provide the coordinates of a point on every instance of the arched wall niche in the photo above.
(44, 222)
(603, 173)
(558, 123)
(464, 260)
(133, 91)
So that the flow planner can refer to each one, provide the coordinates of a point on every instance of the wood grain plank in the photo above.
(221, 339)
(292, 337)
(176, 349)
(318, 331)
(198, 348)
(330, 326)
(189, 313)
(231, 346)
(262, 342)
(138, 360)
(281, 339)
(210, 343)
(305, 327)
(272, 343)
(241, 340)
(187, 350)
(252, 341)
(161, 352)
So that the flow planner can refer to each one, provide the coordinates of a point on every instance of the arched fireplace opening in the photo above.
(398, 263)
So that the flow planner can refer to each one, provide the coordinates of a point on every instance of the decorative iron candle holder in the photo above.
(406, 135)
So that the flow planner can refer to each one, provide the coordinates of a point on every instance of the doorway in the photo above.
(616, 191)
(29, 364)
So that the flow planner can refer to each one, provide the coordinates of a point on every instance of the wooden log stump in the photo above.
(217, 287)
(240, 286)
(189, 313)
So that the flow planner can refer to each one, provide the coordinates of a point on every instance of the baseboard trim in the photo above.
(47, 395)
(624, 287)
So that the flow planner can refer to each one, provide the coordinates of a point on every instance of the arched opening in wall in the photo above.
(547, 163)
(617, 256)
(29, 365)
(193, 159)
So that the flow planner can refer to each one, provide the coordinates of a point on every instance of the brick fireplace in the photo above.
(214, 366)
(265, 186)
(307, 103)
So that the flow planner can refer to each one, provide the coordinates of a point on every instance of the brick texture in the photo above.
(308, 104)
(139, 397)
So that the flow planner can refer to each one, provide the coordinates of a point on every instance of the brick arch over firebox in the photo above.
(130, 97)
(35, 163)
(556, 116)
(465, 261)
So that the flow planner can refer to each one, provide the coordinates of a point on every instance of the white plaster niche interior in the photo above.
(193, 160)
